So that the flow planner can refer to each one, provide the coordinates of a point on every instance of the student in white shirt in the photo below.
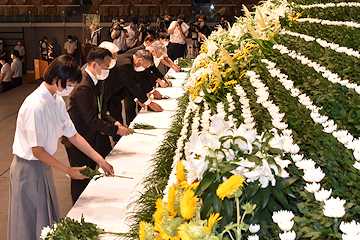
(21, 49)
(70, 46)
(16, 69)
(178, 30)
(5, 75)
(41, 120)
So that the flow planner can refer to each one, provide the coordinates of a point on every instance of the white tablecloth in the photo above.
(106, 201)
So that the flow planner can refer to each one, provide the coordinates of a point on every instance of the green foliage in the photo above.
(95, 174)
(184, 62)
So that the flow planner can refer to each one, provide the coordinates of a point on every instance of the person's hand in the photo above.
(142, 105)
(107, 167)
(123, 131)
(74, 173)
(157, 95)
(156, 107)
(162, 84)
(168, 82)
(176, 68)
(117, 123)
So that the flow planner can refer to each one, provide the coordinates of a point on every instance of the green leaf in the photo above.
(282, 183)
(251, 189)
(208, 178)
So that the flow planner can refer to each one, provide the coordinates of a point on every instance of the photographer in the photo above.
(225, 21)
(178, 30)
(119, 35)
(133, 33)
(202, 29)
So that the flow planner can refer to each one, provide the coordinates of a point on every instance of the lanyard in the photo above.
(99, 103)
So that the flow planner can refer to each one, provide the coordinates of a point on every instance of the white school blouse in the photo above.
(41, 121)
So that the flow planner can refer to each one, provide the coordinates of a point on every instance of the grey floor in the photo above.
(9, 105)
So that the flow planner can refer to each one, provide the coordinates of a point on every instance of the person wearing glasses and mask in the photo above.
(204, 30)
(123, 81)
(86, 110)
(41, 120)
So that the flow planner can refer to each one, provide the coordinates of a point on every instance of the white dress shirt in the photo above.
(70, 47)
(41, 121)
(16, 68)
(175, 37)
(6, 70)
(20, 49)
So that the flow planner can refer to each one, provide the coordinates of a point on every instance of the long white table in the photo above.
(106, 201)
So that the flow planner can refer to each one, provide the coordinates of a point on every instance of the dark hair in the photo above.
(182, 17)
(164, 35)
(202, 16)
(63, 68)
(5, 57)
(44, 37)
(69, 37)
(134, 20)
(16, 53)
(99, 54)
(149, 38)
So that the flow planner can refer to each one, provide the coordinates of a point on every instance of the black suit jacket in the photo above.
(83, 111)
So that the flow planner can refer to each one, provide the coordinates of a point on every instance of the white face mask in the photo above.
(202, 24)
(65, 92)
(19, 43)
(112, 63)
(166, 43)
(139, 69)
(12, 56)
(104, 73)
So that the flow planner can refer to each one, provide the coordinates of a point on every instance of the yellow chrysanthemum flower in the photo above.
(202, 63)
(188, 204)
(242, 74)
(158, 214)
(171, 200)
(214, 217)
(194, 185)
(228, 188)
(184, 185)
(182, 233)
(230, 82)
(142, 230)
(294, 18)
(180, 169)
(214, 86)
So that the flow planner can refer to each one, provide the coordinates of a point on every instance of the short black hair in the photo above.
(70, 37)
(63, 68)
(202, 16)
(97, 53)
(44, 37)
(134, 20)
(164, 35)
(182, 17)
(16, 53)
(5, 57)
(149, 38)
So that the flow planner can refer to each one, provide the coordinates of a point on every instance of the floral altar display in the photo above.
(266, 143)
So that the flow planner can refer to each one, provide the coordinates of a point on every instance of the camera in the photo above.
(224, 25)
(116, 25)
(194, 25)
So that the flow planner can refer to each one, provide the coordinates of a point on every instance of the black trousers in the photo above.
(176, 51)
(6, 86)
(16, 81)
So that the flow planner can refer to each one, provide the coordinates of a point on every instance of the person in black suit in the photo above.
(86, 110)
(122, 82)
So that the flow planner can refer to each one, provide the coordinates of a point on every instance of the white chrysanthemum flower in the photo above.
(352, 227)
(313, 175)
(253, 237)
(334, 208)
(45, 232)
(312, 187)
(357, 165)
(254, 228)
(287, 235)
(297, 157)
(350, 236)
(306, 164)
(286, 225)
(282, 216)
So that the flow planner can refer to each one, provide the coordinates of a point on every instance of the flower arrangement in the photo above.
(273, 103)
